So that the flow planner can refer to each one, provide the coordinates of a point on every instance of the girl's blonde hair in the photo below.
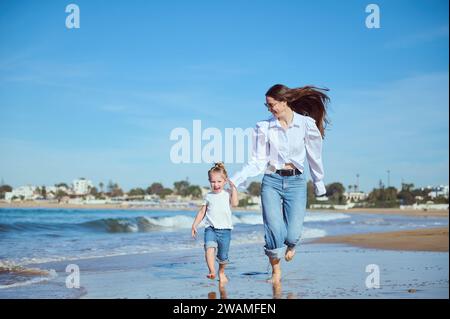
(218, 167)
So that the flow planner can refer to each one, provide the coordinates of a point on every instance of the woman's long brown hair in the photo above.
(307, 100)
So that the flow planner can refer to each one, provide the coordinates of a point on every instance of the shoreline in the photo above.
(389, 211)
(428, 239)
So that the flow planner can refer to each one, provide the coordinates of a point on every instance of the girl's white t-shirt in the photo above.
(218, 211)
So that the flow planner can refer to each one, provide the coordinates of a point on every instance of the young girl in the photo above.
(216, 208)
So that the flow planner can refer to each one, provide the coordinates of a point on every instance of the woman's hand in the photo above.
(230, 183)
(234, 201)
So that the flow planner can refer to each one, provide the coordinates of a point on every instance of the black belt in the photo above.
(288, 172)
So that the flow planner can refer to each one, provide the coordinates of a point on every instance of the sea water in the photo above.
(36, 236)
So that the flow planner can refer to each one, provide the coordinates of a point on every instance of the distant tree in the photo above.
(350, 188)
(136, 192)
(155, 189)
(423, 193)
(195, 191)
(60, 194)
(110, 187)
(164, 192)
(383, 197)
(181, 187)
(93, 191)
(44, 192)
(62, 185)
(391, 194)
(116, 191)
(244, 202)
(101, 185)
(254, 189)
(408, 187)
(335, 192)
(440, 200)
(113, 189)
(4, 189)
(406, 196)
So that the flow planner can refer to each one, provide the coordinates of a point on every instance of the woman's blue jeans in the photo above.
(284, 205)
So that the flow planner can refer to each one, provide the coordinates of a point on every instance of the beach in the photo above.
(123, 253)
(395, 211)
(433, 239)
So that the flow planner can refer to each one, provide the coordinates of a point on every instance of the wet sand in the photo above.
(430, 239)
(317, 271)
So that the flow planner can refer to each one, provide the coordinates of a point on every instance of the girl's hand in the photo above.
(193, 231)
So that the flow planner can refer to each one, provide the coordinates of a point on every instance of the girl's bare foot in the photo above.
(290, 253)
(211, 276)
(222, 278)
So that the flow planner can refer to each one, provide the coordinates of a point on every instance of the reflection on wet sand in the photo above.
(222, 291)
(276, 290)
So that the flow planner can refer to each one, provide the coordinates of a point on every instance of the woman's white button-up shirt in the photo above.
(273, 146)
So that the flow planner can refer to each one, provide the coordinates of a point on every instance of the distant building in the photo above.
(322, 199)
(22, 192)
(173, 198)
(82, 186)
(151, 197)
(355, 196)
(441, 190)
(55, 189)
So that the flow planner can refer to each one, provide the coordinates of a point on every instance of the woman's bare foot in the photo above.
(276, 278)
(211, 276)
(290, 253)
(222, 278)
(276, 270)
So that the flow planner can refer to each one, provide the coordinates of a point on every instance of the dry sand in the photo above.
(431, 239)
(390, 211)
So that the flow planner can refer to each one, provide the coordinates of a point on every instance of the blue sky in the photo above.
(100, 101)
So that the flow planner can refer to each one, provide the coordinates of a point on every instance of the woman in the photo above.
(280, 146)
